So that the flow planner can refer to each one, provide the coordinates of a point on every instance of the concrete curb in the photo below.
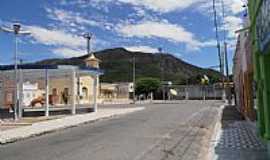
(216, 135)
(49, 126)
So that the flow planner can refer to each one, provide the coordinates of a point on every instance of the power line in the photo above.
(215, 20)
(224, 39)
(217, 35)
(224, 25)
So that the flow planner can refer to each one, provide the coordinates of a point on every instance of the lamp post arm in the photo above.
(25, 33)
(4, 29)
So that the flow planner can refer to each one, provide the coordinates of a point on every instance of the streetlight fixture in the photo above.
(16, 30)
(88, 37)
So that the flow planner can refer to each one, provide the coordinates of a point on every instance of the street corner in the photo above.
(40, 126)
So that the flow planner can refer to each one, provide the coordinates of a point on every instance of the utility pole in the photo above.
(162, 73)
(220, 55)
(134, 78)
(226, 59)
(217, 36)
(225, 43)
(16, 30)
(20, 109)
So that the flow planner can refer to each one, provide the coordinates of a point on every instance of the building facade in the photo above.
(51, 85)
(31, 92)
(243, 76)
(259, 12)
(122, 91)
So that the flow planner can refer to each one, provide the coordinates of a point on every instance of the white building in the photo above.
(64, 86)
(31, 92)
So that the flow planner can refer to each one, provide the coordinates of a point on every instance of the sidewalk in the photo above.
(237, 139)
(39, 128)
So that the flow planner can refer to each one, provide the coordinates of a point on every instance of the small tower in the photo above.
(92, 61)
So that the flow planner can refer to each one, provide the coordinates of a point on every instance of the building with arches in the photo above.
(65, 86)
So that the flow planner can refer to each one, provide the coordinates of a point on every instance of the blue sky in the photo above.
(181, 27)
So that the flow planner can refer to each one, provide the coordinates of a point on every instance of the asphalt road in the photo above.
(161, 131)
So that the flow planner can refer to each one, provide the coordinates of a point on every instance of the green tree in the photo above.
(147, 85)
(194, 80)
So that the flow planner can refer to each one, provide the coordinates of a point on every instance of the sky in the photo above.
(184, 28)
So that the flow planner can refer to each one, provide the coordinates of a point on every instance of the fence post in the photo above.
(47, 93)
(73, 90)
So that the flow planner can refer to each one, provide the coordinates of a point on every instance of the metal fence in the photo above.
(192, 92)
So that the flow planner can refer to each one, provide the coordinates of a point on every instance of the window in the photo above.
(66, 91)
(54, 91)
(84, 92)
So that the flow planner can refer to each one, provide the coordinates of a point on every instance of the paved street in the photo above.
(161, 131)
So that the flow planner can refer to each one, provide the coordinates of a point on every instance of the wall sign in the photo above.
(263, 26)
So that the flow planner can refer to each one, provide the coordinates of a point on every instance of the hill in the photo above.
(117, 66)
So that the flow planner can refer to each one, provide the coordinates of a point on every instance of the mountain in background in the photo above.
(117, 66)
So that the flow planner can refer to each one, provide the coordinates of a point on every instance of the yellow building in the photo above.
(116, 92)
(63, 85)
(60, 88)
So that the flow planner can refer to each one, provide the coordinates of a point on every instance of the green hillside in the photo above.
(117, 66)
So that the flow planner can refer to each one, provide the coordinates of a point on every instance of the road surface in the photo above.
(160, 132)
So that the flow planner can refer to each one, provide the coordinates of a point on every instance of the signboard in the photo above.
(263, 26)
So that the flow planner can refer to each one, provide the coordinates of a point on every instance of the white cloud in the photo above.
(165, 6)
(232, 23)
(235, 6)
(68, 52)
(55, 37)
(150, 29)
(63, 43)
(69, 17)
(232, 20)
(145, 49)
(162, 6)
(209, 43)
(75, 19)
(231, 7)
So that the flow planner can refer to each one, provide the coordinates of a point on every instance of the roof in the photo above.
(60, 67)
(92, 57)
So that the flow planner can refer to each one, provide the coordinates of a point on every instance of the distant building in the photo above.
(116, 91)
(67, 84)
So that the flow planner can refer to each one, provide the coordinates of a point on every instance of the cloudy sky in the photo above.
(184, 28)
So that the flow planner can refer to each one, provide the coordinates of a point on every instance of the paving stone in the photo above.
(238, 141)
(239, 136)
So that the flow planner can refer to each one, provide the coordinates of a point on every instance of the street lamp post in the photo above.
(88, 37)
(134, 78)
(16, 30)
(162, 73)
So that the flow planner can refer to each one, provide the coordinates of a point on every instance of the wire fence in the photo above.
(197, 92)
